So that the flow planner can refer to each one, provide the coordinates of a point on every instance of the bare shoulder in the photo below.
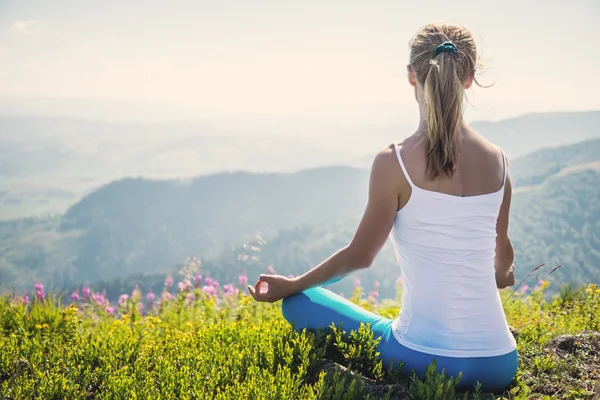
(386, 158)
(487, 148)
(385, 164)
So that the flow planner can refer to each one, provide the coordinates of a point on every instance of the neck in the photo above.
(423, 120)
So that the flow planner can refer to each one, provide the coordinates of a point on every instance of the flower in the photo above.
(208, 281)
(135, 293)
(185, 285)
(140, 307)
(109, 310)
(123, 299)
(25, 299)
(198, 280)
(166, 296)
(230, 290)
(190, 297)
(215, 284)
(150, 297)
(523, 288)
(243, 280)
(357, 282)
(541, 285)
(75, 296)
(209, 290)
(271, 270)
(169, 281)
(86, 292)
(39, 292)
(99, 299)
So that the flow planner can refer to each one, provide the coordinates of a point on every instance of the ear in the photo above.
(411, 76)
(469, 81)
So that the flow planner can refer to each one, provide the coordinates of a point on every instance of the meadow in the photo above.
(201, 339)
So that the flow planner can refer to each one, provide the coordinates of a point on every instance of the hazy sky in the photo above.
(288, 57)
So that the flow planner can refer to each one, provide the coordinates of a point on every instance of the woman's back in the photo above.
(444, 236)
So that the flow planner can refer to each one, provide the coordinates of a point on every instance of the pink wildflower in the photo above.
(243, 280)
(271, 270)
(140, 307)
(523, 288)
(75, 296)
(109, 310)
(169, 281)
(86, 292)
(357, 282)
(198, 280)
(135, 293)
(123, 299)
(39, 291)
(209, 290)
(230, 290)
(208, 281)
(185, 285)
(25, 299)
(99, 298)
(150, 297)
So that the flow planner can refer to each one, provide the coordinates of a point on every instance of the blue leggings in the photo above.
(318, 308)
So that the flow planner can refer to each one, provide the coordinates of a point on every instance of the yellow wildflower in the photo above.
(592, 288)
(38, 326)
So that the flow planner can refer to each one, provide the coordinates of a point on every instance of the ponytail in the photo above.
(443, 95)
(443, 56)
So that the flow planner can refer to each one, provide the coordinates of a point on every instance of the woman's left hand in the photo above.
(277, 287)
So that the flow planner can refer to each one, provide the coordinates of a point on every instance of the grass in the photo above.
(218, 343)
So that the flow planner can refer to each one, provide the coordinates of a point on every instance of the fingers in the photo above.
(256, 294)
(268, 278)
(252, 292)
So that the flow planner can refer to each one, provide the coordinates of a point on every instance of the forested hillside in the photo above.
(137, 226)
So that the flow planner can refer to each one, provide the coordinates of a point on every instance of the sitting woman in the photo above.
(442, 196)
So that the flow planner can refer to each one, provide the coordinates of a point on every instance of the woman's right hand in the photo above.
(505, 278)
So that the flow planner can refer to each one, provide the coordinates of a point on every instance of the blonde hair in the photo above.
(443, 77)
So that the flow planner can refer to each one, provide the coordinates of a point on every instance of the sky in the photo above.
(320, 59)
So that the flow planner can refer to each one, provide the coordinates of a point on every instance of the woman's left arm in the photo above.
(372, 232)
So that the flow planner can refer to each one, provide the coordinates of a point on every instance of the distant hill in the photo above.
(140, 226)
(531, 132)
(48, 164)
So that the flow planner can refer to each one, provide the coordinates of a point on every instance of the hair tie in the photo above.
(446, 47)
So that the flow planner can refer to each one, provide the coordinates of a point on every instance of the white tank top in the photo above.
(445, 246)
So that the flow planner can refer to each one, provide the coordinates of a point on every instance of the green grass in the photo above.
(230, 347)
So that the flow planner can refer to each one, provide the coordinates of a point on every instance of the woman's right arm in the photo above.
(505, 254)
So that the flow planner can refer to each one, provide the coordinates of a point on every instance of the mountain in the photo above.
(142, 226)
(531, 132)
(48, 164)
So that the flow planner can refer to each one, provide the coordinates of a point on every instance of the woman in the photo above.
(443, 197)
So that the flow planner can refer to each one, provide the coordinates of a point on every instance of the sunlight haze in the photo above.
(341, 61)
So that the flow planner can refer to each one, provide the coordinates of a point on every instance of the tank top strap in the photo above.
(410, 182)
(505, 168)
